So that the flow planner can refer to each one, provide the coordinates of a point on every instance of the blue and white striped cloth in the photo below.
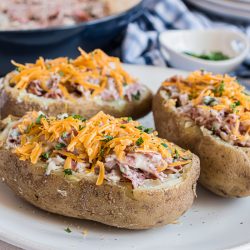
(141, 41)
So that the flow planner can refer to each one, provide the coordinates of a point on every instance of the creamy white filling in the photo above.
(12, 138)
(54, 164)
(62, 116)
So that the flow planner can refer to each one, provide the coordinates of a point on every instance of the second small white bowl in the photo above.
(231, 43)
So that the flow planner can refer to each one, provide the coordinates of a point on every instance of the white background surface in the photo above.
(212, 223)
(6, 246)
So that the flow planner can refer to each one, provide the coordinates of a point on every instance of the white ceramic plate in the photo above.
(212, 223)
(242, 6)
(221, 10)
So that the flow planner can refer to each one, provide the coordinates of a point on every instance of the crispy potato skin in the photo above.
(9, 104)
(115, 205)
(225, 169)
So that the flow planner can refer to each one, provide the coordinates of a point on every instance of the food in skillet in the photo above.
(33, 14)
(85, 85)
(105, 169)
(210, 115)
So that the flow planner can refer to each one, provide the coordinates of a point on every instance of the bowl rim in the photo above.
(80, 24)
(229, 61)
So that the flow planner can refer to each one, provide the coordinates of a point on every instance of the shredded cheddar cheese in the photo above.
(101, 174)
(225, 88)
(79, 141)
(220, 93)
(90, 71)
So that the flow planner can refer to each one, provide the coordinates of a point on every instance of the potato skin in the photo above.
(225, 169)
(115, 205)
(10, 104)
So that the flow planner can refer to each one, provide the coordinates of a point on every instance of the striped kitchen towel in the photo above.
(141, 45)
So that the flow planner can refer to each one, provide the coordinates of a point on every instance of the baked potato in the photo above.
(86, 85)
(105, 169)
(209, 114)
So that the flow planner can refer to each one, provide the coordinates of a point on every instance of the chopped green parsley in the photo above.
(219, 90)
(67, 171)
(234, 105)
(60, 146)
(146, 130)
(137, 96)
(176, 154)
(67, 230)
(79, 117)
(139, 141)
(164, 145)
(29, 127)
(39, 118)
(212, 56)
(107, 138)
(45, 155)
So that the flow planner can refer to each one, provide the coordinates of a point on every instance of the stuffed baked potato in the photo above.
(109, 170)
(210, 115)
(86, 85)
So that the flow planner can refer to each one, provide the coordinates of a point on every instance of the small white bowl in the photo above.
(231, 43)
